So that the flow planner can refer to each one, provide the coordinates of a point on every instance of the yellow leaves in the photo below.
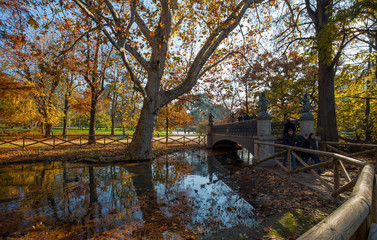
(34, 24)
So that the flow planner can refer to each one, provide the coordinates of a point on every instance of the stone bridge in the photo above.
(262, 129)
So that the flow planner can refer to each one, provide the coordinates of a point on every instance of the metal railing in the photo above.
(242, 128)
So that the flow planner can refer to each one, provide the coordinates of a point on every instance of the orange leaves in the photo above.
(152, 34)
(117, 28)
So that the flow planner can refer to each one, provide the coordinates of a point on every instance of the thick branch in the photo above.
(208, 48)
(311, 13)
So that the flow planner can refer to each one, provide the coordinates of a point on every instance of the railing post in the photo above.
(184, 142)
(336, 178)
(23, 142)
(80, 141)
(53, 141)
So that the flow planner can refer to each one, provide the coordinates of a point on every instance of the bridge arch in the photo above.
(229, 135)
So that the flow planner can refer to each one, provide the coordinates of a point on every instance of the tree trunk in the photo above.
(112, 124)
(141, 146)
(65, 118)
(326, 124)
(92, 123)
(48, 130)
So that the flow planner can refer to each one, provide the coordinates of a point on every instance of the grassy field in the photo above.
(71, 131)
(75, 130)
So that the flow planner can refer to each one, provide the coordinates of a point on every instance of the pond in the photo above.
(177, 196)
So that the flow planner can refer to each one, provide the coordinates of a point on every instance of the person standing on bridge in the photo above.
(240, 117)
(290, 140)
(289, 125)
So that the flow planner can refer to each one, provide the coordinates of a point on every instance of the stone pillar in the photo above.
(306, 127)
(306, 119)
(264, 133)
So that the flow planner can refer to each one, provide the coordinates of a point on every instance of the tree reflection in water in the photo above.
(176, 196)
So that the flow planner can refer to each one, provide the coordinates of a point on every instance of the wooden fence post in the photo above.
(80, 141)
(336, 179)
(53, 141)
(184, 142)
(104, 140)
(23, 142)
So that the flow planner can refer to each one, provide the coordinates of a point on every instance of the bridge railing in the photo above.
(242, 128)
(353, 218)
(277, 128)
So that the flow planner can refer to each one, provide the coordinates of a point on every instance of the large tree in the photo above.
(325, 36)
(143, 35)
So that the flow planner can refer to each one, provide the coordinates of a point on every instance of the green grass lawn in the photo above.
(71, 131)
(75, 130)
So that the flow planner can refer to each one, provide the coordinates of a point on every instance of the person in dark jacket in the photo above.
(300, 143)
(290, 140)
(311, 144)
(240, 117)
(289, 125)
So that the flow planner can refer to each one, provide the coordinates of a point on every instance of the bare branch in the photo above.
(76, 41)
(214, 64)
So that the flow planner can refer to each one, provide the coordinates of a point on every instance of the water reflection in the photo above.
(176, 196)
(245, 156)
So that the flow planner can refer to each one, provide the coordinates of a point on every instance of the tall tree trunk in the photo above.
(326, 122)
(92, 123)
(367, 125)
(66, 109)
(112, 124)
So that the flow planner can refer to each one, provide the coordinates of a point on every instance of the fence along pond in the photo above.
(82, 140)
